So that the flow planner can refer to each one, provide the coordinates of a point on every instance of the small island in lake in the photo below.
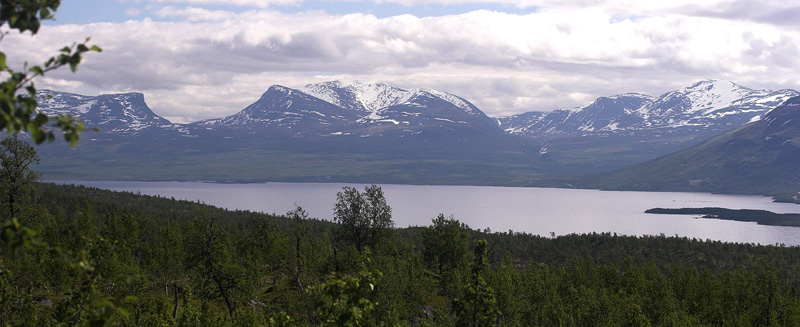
(762, 217)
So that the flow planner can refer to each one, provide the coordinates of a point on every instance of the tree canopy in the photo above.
(365, 218)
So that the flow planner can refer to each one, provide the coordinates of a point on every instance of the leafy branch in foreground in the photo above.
(17, 92)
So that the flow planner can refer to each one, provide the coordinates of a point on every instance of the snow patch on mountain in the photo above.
(358, 95)
(125, 113)
(455, 100)
(374, 98)
(710, 104)
(711, 95)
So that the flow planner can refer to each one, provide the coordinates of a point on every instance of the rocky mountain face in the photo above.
(120, 114)
(354, 108)
(707, 106)
(380, 104)
(762, 157)
(284, 111)
(606, 114)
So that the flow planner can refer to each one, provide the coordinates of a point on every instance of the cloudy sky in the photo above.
(199, 59)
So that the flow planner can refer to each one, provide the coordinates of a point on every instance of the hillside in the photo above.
(762, 157)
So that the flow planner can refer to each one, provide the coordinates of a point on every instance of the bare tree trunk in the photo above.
(175, 311)
(298, 268)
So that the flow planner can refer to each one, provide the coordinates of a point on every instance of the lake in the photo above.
(539, 211)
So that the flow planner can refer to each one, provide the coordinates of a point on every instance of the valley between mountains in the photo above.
(372, 132)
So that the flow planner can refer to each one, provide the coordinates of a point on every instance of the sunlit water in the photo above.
(534, 210)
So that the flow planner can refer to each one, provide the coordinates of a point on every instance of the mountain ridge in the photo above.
(762, 157)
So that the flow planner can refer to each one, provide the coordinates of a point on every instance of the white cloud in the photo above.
(209, 63)
(245, 3)
(133, 12)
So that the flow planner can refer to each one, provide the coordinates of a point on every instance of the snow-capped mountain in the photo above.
(354, 108)
(124, 113)
(381, 104)
(379, 109)
(710, 105)
(365, 97)
(282, 110)
(762, 158)
(606, 114)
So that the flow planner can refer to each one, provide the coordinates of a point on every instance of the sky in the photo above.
(201, 59)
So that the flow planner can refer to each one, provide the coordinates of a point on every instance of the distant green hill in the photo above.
(762, 157)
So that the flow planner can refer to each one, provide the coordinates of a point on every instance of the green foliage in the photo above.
(445, 248)
(212, 258)
(345, 300)
(16, 175)
(18, 111)
(478, 307)
(365, 218)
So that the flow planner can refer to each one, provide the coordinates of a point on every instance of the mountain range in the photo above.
(710, 105)
(762, 157)
(375, 132)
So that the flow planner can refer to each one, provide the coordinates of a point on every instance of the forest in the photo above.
(79, 256)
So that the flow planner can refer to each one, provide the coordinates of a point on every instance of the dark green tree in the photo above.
(16, 175)
(365, 218)
(478, 307)
(213, 259)
(446, 245)
(346, 300)
(298, 217)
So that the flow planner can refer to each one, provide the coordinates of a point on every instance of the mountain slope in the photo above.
(121, 114)
(388, 110)
(282, 110)
(762, 157)
(606, 114)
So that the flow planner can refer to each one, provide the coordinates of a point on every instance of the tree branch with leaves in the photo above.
(17, 91)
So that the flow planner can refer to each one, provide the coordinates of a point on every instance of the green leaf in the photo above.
(36, 70)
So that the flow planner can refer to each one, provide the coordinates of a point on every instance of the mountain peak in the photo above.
(357, 95)
(630, 95)
(716, 86)
(277, 88)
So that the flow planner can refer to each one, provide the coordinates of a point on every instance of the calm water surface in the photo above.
(534, 210)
